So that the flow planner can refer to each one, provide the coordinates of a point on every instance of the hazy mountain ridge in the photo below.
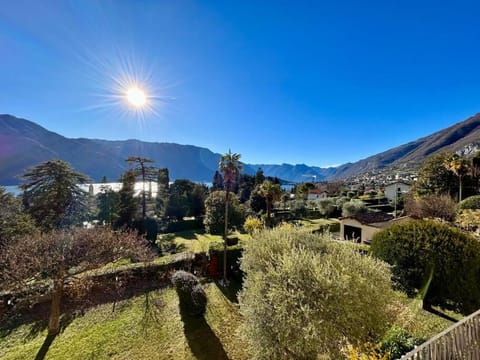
(24, 143)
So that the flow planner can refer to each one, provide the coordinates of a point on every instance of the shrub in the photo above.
(215, 212)
(252, 225)
(305, 296)
(185, 225)
(472, 203)
(432, 207)
(398, 342)
(191, 295)
(354, 207)
(425, 252)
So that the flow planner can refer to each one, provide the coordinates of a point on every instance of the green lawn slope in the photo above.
(144, 327)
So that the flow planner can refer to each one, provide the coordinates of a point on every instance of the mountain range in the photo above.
(24, 143)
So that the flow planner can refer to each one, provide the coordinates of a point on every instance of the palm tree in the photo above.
(460, 167)
(271, 192)
(230, 166)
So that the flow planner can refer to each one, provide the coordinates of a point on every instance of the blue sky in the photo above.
(312, 82)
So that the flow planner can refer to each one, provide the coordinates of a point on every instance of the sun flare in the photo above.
(136, 97)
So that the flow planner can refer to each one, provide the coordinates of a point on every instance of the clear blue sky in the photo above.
(315, 82)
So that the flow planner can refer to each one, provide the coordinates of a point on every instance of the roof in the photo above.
(399, 182)
(371, 218)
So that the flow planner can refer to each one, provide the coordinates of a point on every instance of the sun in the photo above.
(136, 97)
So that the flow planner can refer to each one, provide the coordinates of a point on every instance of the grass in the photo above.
(316, 224)
(196, 240)
(150, 326)
(418, 322)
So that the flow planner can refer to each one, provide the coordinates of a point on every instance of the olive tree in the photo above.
(305, 296)
(60, 255)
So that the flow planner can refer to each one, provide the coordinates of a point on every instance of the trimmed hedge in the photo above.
(184, 225)
(424, 250)
(472, 203)
(192, 297)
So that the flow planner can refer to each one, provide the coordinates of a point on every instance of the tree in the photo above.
(434, 261)
(245, 187)
(259, 177)
(326, 207)
(127, 207)
(197, 200)
(434, 177)
(147, 173)
(180, 198)
(107, 203)
(13, 221)
(163, 185)
(52, 195)
(460, 167)
(215, 211)
(230, 166)
(305, 296)
(217, 183)
(354, 207)
(271, 192)
(432, 206)
(60, 255)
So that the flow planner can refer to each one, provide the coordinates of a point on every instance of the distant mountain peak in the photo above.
(24, 143)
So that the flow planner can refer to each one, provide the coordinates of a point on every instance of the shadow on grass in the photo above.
(45, 346)
(440, 314)
(231, 291)
(202, 341)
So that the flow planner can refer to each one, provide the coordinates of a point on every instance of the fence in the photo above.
(459, 341)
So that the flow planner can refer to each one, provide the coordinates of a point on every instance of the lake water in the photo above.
(13, 189)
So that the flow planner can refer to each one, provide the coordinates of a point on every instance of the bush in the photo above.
(191, 295)
(472, 203)
(353, 207)
(432, 207)
(398, 342)
(147, 227)
(252, 225)
(425, 252)
(215, 213)
(305, 296)
(184, 225)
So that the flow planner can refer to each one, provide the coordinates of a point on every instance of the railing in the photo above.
(459, 341)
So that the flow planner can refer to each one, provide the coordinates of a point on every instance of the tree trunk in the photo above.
(144, 203)
(460, 189)
(225, 234)
(55, 311)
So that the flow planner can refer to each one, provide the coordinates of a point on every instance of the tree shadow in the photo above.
(202, 341)
(231, 290)
(45, 346)
(440, 314)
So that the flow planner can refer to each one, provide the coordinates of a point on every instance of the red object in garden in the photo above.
(213, 267)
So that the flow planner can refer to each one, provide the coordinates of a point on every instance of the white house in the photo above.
(316, 194)
(361, 228)
(396, 189)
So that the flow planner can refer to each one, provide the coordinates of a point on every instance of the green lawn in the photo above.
(144, 327)
(151, 326)
(316, 224)
(197, 240)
